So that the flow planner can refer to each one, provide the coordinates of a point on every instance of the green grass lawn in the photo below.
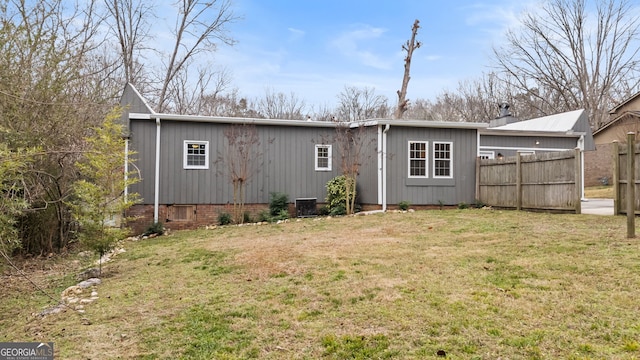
(476, 284)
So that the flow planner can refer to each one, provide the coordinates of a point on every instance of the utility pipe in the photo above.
(384, 167)
(156, 196)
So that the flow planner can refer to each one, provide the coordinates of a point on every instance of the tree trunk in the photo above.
(408, 47)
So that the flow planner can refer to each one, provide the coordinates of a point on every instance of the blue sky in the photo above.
(316, 48)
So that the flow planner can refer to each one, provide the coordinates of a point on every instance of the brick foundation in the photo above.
(204, 214)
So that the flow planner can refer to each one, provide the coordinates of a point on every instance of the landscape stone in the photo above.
(89, 282)
(88, 274)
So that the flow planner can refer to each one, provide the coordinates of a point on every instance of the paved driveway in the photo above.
(597, 206)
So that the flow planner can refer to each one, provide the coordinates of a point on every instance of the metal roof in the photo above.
(563, 122)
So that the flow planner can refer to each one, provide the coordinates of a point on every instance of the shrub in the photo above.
(339, 209)
(282, 215)
(155, 228)
(278, 202)
(264, 215)
(337, 195)
(247, 217)
(404, 205)
(463, 205)
(323, 210)
(225, 218)
(478, 204)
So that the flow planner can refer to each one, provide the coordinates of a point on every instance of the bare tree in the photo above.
(321, 113)
(359, 104)
(130, 22)
(192, 97)
(199, 26)
(420, 109)
(352, 143)
(52, 92)
(409, 47)
(241, 157)
(228, 104)
(280, 106)
(564, 59)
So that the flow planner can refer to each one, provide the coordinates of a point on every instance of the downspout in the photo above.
(581, 146)
(123, 213)
(379, 151)
(384, 167)
(156, 195)
(126, 168)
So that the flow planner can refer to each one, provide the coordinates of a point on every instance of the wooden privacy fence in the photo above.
(546, 181)
(623, 184)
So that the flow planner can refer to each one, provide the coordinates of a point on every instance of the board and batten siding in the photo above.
(367, 181)
(284, 162)
(431, 191)
(143, 142)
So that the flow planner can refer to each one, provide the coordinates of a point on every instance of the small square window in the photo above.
(323, 158)
(196, 154)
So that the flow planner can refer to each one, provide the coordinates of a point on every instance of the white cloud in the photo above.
(350, 44)
(295, 34)
(496, 19)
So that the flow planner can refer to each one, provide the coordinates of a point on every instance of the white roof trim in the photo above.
(305, 123)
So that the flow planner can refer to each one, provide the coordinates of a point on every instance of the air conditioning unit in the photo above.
(306, 207)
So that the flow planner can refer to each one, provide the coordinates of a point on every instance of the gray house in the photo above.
(182, 161)
(506, 136)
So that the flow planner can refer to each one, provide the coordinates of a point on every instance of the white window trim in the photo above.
(526, 152)
(433, 159)
(487, 154)
(329, 155)
(206, 155)
(426, 159)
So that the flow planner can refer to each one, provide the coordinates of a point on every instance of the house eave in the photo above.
(432, 124)
(506, 132)
(306, 123)
(230, 120)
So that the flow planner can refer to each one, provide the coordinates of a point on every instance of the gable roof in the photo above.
(132, 102)
(615, 116)
(625, 102)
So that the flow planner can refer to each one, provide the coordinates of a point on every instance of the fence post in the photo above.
(519, 181)
(631, 185)
(478, 178)
(617, 208)
(578, 178)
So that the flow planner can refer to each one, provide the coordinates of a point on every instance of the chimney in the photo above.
(504, 110)
(504, 116)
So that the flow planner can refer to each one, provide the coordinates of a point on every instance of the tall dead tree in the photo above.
(409, 47)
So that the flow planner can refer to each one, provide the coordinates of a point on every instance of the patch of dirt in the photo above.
(41, 270)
